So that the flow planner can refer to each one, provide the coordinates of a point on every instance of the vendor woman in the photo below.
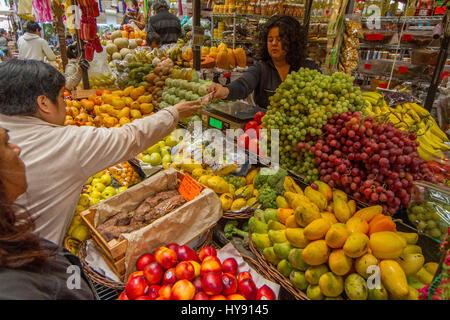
(282, 50)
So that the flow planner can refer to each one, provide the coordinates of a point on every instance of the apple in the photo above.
(95, 181)
(135, 274)
(184, 253)
(197, 267)
(265, 293)
(210, 264)
(136, 287)
(169, 276)
(165, 292)
(236, 296)
(121, 189)
(98, 187)
(89, 180)
(166, 257)
(201, 296)
(144, 260)
(207, 251)
(185, 271)
(146, 158)
(108, 192)
(155, 159)
(153, 272)
(197, 282)
(212, 283)
(173, 246)
(143, 298)
(95, 194)
(105, 179)
(84, 200)
(230, 266)
(248, 289)
(183, 290)
(229, 283)
(123, 296)
(244, 275)
(153, 291)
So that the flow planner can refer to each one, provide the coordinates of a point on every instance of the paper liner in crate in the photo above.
(229, 251)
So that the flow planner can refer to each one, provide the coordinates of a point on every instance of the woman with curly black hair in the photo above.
(282, 47)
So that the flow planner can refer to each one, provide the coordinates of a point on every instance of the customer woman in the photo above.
(134, 15)
(282, 47)
(73, 67)
(31, 268)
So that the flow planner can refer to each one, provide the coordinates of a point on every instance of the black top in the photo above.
(167, 25)
(263, 79)
(50, 281)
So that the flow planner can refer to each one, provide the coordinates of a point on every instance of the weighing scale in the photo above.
(229, 115)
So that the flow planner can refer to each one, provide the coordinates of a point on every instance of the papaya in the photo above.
(270, 255)
(339, 194)
(290, 186)
(356, 245)
(317, 229)
(331, 285)
(324, 189)
(412, 248)
(294, 198)
(316, 253)
(290, 222)
(250, 177)
(329, 216)
(313, 292)
(357, 224)
(295, 258)
(424, 276)
(314, 273)
(298, 279)
(386, 245)
(393, 278)
(410, 237)
(364, 262)
(355, 287)
(275, 225)
(261, 240)
(305, 213)
(316, 197)
(352, 205)
(282, 250)
(369, 212)
(378, 293)
(296, 237)
(381, 223)
(337, 235)
(277, 236)
(431, 267)
(411, 263)
(341, 209)
(283, 214)
(339, 262)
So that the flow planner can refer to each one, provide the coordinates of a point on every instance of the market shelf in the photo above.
(242, 15)
(393, 46)
(231, 41)
(408, 19)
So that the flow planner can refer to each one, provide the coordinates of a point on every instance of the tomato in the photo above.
(251, 125)
(258, 117)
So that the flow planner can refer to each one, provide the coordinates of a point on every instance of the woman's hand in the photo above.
(220, 92)
(186, 109)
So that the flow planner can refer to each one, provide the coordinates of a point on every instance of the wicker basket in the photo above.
(274, 274)
(104, 281)
(246, 214)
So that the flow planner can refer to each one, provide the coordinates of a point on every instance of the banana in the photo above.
(373, 94)
(377, 110)
(371, 100)
(421, 111)
(438, 132)
(425, 154)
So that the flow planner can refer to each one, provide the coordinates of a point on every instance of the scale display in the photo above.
(215, 123)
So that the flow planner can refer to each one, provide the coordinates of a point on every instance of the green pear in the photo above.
(261, 240)
(313, 292)
(296, 259)
(284, 267)
(378, 294)
(270, 255)
(256, 226)
(270, 214)
(282, 249)
(277, 236)
(298, 279)
(275, 225)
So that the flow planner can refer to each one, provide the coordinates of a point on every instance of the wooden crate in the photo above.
(80, 93)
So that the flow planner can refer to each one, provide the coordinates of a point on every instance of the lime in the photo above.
(155, 159)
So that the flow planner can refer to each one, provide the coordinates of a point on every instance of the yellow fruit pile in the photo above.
(331, 251)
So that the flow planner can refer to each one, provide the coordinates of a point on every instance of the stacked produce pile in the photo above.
(160, 152)
(221, 57)
(301, 106)
(124, 42)
(178, 273)
(329, 250)
(413, 118)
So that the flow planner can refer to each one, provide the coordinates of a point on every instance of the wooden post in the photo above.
(60, 31)
(80, 47)
(195, 29)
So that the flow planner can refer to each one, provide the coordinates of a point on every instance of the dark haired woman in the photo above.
(134, 15)
(31, 268)
(282, 47)
(73, 67)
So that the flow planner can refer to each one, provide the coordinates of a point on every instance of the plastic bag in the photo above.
(429, 209)
(99, 65)
(125, 174)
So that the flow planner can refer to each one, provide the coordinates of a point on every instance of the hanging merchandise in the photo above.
(42, 10)
(88, 28)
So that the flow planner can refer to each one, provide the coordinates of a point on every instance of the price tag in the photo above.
(383, 85)
(407, 37)
(368, 66)
(444, 74)
(189, 188)
(374, 36)
(402, 69)
(440, 10)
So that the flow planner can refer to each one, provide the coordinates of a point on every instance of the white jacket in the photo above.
(31, 46)
(59, 160)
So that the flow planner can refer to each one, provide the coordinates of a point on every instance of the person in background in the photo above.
(134, 15)
(31, 268)
(4, 42)
(32, 46)
(164, 23)
(73, 67)
(153, 40)
(59, 159)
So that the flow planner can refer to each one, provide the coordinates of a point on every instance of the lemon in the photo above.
(80, 233)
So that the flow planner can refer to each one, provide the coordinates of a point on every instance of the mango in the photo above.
(339, 262)
(306, 213)
(290, 222)
(277, 236)
(413, 282)
(251, 176)
(378, 293)
(283, 214)
(282, 250)
(246, 192)
(410, 237)
(386, 245)
(393, 278)
(316, 253)
(355, 287)
(270, 214)
(237, 204)
(352, 205)
(290, 186)
(313, 292)
(316, 197)
(227, 201)
(424, 276)
(296, 237)
(412, 248)
(337, 235)
(281, 202)
(411, 262)
(253, 202)
(357, 224)
(329, 216)
(261, 240)
(339, 194)
(431, 267)
(362, 263)
(341, 210)
(356, 245)
(259, 214)
(324, 189)
(257, 226)
(275, 225)
(295, 258)
(292, 196)
(314, 273)
(270, 255)
(331, 285)
(298, 279)
(284, 267)
(317, 229)
(369, 212)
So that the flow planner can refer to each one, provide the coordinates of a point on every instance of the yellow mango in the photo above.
(290, 222)
(411, 248)
(386, 245)
(337, 235)
(283, 214)
(290, 186)
(251, 176)
(296, 237)
(317, 229)
(329, 216)
(281, 202)
(313, 273)
(357, 224)
(341, 209)
(431, 267)
(369, 212)
(238, 204)
(145, 99)
(362, 263)
(411, 263)
(410, 237)
(316, 253)
(339, 262)
(352, 205)
(124, 113)
(305, 213)
(393, 278)
(227, 201)
(331, 285)
(339, 194)
(424, 276)
(325, 190)
(316, 197)
(313, 292)
(356, 245)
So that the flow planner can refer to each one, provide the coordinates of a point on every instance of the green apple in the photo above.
(155, 159)
(99, 174)
(93, 201)
(122, 189)
(106, 179)
(161, 144)
(153, 149)
(84, 200)
(108, 192)
(88, 181)
(171, 141)
(95, 181)
(167, 158)
(99, 187)
(146, 158)
(95, 194)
